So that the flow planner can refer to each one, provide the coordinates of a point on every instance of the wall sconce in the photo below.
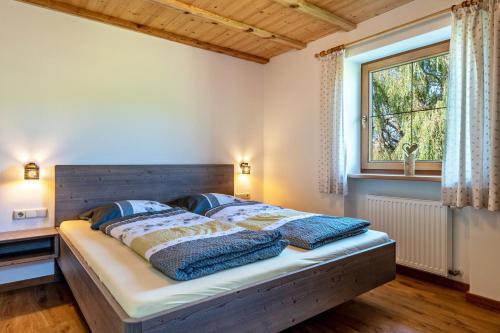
(31, 171)
(245, 168)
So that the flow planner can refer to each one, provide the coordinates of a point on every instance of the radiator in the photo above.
(421, 229)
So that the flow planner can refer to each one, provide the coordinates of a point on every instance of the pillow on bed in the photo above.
(100, 215)
(201, 203)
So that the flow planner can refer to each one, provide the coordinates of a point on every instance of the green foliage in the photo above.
(408, 106)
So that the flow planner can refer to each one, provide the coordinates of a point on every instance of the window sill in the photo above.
(418, 178)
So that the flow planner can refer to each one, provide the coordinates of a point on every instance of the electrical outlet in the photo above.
(244, 196)
(23, 214)
(19, 215)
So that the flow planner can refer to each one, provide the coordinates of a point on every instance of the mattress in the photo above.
(141, 290)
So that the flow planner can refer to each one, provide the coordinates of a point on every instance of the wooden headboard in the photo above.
(83, 187)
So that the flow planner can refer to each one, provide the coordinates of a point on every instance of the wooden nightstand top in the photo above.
(24, 246)
(11, 236)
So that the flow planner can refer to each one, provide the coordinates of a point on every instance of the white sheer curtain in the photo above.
(472, 149)
(332, 169)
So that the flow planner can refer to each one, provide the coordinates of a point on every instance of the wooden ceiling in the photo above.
(254, 30)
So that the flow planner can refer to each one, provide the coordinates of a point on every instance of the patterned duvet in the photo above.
(185, 246)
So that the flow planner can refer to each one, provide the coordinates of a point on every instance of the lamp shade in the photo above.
(245, 168)
(31, 171)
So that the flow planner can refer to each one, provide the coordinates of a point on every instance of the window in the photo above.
(404, 101)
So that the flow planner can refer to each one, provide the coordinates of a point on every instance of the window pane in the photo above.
(391, 90)
(389, 133)
(430, 83)
(428, 133)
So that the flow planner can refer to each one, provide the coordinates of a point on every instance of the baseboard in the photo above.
(429, 277)
(28, 283)
(482, 301)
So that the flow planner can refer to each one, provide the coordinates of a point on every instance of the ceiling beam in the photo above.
(319, 13)
(230, 23)
(100, 17)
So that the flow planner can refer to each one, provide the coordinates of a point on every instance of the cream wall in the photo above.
(76, 91)
(291, 143)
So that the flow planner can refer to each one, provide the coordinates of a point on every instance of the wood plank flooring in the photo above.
(46, 308)
(404, 305)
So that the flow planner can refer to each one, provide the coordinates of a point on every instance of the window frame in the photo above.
(367, 166)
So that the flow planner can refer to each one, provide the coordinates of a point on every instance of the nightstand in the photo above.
(19, 248)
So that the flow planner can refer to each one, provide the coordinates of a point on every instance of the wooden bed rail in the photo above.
(270, 306)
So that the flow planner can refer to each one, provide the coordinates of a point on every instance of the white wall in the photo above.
(75, 91)
(484, 250)
(291, 142)
(291, 104)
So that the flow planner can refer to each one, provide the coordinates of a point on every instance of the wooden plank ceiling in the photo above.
(254, 30)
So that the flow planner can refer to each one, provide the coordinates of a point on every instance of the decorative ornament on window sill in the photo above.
(409, 152)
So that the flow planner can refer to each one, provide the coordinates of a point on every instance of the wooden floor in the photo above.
(404, 305)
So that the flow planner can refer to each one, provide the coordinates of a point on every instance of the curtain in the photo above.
(332, 169)
(472, 144)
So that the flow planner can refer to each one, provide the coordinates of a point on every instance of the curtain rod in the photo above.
(401, 26)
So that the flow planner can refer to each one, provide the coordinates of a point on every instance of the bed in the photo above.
(117, 291)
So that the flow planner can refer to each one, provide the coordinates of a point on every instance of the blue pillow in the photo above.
(202, 203)
(101, 215)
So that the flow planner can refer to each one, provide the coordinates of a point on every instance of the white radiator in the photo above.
(421, 229)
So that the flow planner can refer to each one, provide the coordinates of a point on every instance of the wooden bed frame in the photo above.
(269, 306)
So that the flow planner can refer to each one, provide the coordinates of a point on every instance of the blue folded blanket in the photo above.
(315, 231)
(301, 229)
(202, 257)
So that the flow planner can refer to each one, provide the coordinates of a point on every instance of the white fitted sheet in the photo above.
(141, 290)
